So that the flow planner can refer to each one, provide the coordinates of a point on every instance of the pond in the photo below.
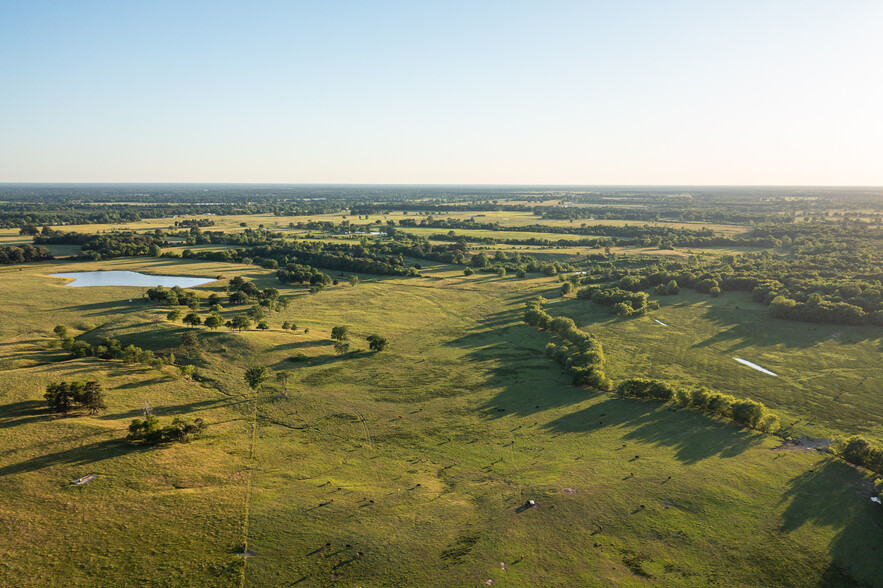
(124, 278)
(755, 366)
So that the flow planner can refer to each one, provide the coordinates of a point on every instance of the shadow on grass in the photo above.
(692, 435)
(22, 413)
(836, 495)
(749, 325)
(304, 344)
(178, 409)
(75, 456)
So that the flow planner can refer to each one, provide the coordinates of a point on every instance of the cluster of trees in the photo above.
(621, 302)
(26, 253)
(818, 310)
(62, 397)
(669, 289)
(294, 273)
(585, 361)
(200, 222)
(175, 296)
(359, 258)
(148, 431)
(749, 413)
(516, 263)
(106, 245)
(859, 451)
(241, 291)
(110, 349)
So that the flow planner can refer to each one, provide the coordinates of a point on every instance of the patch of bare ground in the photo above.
(805, 444)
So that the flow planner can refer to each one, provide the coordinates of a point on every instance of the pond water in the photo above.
(123, 278)
(755, 366)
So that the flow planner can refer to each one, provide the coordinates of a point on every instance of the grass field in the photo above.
(412, 466)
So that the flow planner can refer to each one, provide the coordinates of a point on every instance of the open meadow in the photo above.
(413, 465)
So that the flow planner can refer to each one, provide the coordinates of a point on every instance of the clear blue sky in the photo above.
(613, 92)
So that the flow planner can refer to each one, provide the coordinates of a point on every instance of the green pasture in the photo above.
(412, 466)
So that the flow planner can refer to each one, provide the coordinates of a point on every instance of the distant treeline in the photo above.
(831, 275)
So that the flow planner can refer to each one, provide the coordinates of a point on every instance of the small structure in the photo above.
(530, 504)
(83, 480)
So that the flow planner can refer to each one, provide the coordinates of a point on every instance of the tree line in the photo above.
(747, 412)
(585, 362)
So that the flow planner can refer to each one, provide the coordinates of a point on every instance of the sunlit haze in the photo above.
(756, 93)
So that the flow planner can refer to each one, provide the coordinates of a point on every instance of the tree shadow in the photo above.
(740, 329)
(22, 413)
(177, 409)
(836, 495)
(692, 435)
(134, 385)
(304, 344)
(75, 456)
(101, 308)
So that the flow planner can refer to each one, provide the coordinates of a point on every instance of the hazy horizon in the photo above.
(390, 93)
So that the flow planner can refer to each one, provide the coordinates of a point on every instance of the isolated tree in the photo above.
(479, 260)
(214, 321)
(263, 325)
(566, 288)
(282, 377)
(256, 313)
(189, 339)
(286, 325)
(340, 333)
(192, 319)
(216, 308)
(377, 343)
(174, 315)
(91, 397)
(187, 370)
(353, 280)
(60, 331)
(341, 347)
(468, 271)
(501, 272)
(255, 376)
(240, 322)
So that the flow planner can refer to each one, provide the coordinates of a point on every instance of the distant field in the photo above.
(231, 223)
(828, 375)
(421, 457)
